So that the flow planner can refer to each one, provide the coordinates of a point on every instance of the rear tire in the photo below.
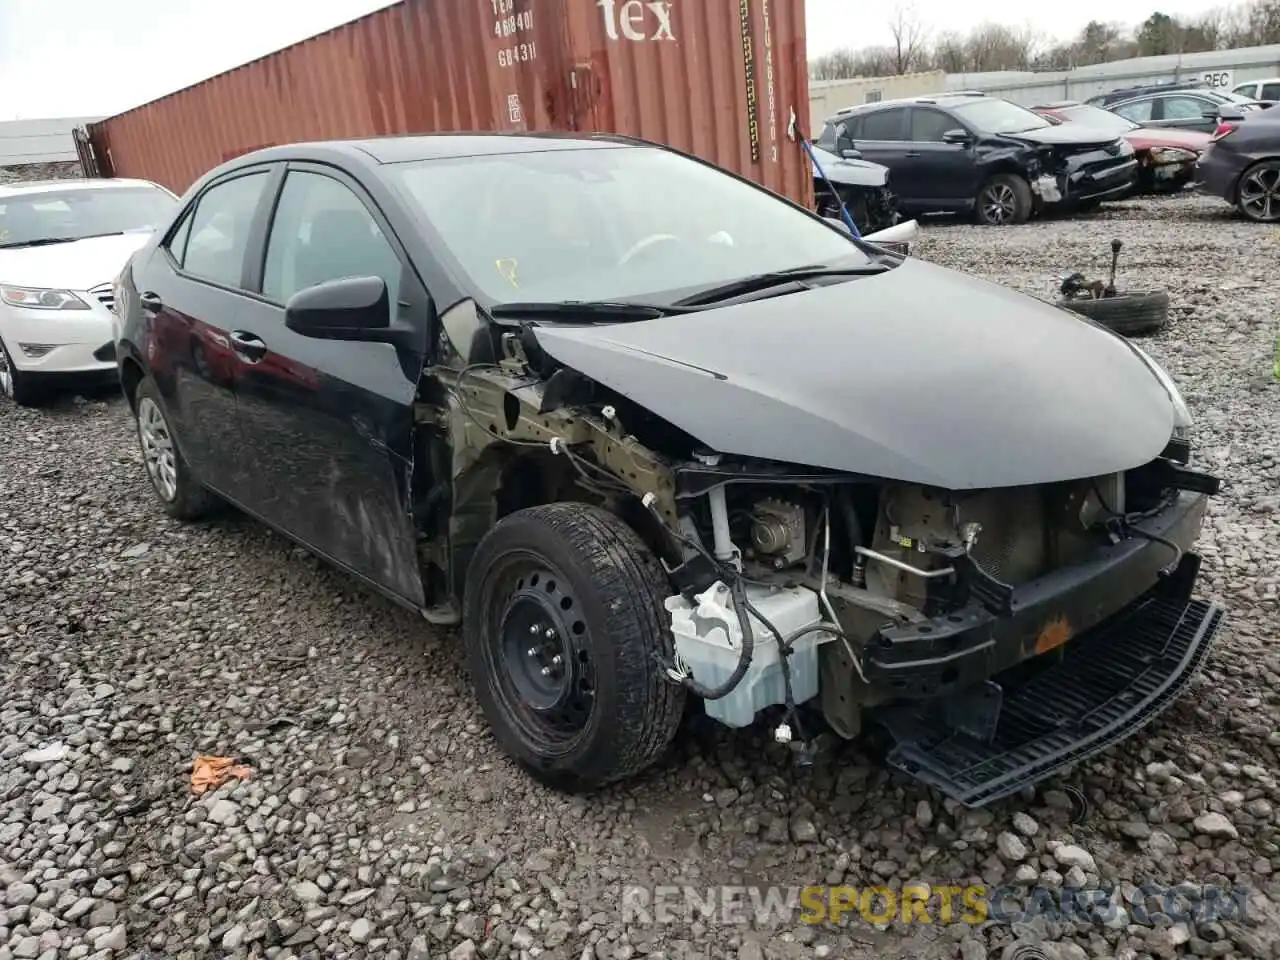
(1130, 313)
(15, 384)
(181, 495)
(1003, 200)
(1258, 195)
(563, 616)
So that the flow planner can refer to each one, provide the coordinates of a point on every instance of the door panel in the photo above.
(933, 171)
(329, 423)
(193, 285)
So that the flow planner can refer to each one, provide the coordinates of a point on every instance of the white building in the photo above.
(39, 141)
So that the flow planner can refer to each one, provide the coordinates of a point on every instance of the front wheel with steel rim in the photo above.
(1003, 200)
(563, 617)
(14, 384)
(180, 494)
(1259, 192)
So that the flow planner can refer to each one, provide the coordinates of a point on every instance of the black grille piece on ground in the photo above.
(1109, 683)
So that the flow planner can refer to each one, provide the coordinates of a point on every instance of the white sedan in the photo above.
(62, 243)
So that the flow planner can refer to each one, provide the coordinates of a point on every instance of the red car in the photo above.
(1166, 157)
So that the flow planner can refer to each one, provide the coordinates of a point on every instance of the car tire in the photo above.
(15, 384)
(1263, 176)
(572, 581)
(1131, 313)
(1007, 193)
(181, 495)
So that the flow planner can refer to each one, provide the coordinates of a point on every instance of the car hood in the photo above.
(1146, 138)
(920, 374)
(1070, 134)
(852, 173)
(78, 265)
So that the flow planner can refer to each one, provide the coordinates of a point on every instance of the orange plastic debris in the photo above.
(212, 772)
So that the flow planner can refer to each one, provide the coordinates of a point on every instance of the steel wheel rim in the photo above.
(157, 450)
(1260, 193)
(539, 653)
(998, 203)
(6, 374)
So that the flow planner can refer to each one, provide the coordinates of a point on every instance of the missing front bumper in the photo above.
(1109, 682)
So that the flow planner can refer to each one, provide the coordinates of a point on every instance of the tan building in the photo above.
(828, 96)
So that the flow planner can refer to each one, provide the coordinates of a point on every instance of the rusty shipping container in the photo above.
(716, 78)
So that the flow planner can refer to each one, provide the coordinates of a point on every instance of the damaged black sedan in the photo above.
(653, 436)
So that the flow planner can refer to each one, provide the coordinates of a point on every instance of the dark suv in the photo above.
(962, 152)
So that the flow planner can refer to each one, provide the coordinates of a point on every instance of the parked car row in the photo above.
(966, 152)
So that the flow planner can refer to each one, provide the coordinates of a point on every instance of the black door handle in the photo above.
(151, 302)
(247, 346)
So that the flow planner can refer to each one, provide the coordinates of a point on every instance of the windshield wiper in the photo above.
(763, 281)
(49, 241)
(590, 310)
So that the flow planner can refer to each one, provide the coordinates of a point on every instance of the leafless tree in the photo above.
(909, 38)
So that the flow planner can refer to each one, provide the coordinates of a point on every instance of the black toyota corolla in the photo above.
(652, 435)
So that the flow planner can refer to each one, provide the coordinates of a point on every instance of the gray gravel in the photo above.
(381, 821)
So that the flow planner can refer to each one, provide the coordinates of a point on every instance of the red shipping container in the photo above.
(716, 78)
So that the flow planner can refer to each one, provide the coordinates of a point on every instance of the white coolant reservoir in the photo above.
(708, 639)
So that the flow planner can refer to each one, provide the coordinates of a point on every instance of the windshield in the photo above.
(990, 115)
(1237, 98)
(88, 212)
(1097, 117)
(611, 223)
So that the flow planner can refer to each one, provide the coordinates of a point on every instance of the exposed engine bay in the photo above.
(794, 587)
(871, 556)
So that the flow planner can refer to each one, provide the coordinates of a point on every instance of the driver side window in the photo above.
(322, 231)
(1185, 108)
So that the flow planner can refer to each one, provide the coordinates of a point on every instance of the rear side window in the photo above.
(1139, 111)
(1270, 91)
(882, 125)
(219, 231)
(178, 242)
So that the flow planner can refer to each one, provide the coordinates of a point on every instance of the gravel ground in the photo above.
(379, 820)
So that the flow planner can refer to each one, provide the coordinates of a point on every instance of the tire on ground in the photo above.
(1269, 164)
(1021, 195)
(1133, 313)
(24, 392)
(193, 500)
(613, 589)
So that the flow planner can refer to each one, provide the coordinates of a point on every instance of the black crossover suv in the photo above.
(640, 428)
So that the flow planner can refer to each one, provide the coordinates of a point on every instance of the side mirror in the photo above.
(354, 308)
(956, 136)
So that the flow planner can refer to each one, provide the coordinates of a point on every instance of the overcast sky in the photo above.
(73, 58)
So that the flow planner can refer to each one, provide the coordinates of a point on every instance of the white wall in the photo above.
(39, 141)
(828, 96)
(1032, 89)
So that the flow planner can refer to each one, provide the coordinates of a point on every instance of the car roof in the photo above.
(950, 98)
(28, 187)
(443, 146)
